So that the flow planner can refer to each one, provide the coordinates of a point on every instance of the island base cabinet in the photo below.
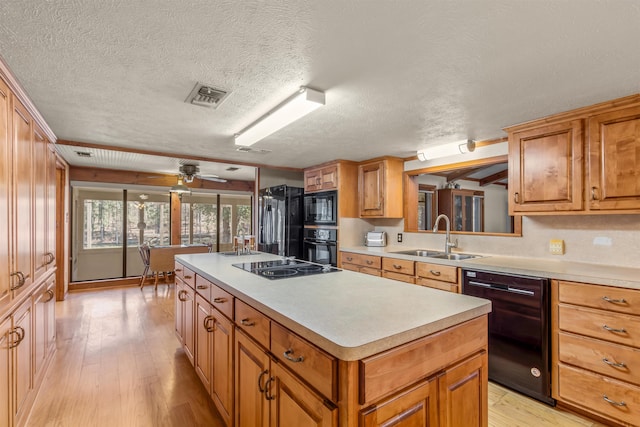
(417, 407)
(463, 394)
(184, 318)
(267, 395)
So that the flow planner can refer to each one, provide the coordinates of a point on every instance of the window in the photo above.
(199, 219)
(148, 219)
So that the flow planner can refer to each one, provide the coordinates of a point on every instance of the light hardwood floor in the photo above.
(119, 364)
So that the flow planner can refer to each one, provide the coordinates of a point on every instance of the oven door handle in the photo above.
(320, 243)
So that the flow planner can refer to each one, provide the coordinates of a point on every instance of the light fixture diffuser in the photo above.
(180, 188)
(300, 104)
(445, 150)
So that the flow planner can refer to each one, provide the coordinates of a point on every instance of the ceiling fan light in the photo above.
(180, 188)
(445, 150)
(295, 107)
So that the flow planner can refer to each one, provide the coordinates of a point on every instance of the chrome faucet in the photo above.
(448, 244)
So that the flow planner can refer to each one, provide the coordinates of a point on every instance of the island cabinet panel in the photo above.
(294, 404)
(254, 323)
(545, 168)
(204, 341)
(614, 160)
(385, 373)
(596, 349)
(318, 368)
(417, 406)
(463, 388)
(252, 377)
(184, 317)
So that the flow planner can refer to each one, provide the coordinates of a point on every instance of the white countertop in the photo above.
(349, 315)
(562, 270)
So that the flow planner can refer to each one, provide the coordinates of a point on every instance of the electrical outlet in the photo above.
(556, 246)
(399, 237)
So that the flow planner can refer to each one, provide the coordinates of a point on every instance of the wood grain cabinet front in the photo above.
(597, 349)
(380, 188)
(438, 276)
(399, 269)
(368, 264)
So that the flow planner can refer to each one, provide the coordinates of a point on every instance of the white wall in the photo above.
(273, 177)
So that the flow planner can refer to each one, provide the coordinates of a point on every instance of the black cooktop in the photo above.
(283, 268)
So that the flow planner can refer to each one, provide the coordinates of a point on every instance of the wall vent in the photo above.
(232, 169)
(206, 96)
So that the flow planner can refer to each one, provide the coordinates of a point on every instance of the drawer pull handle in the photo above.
(262, 374)
(209, 327)
(50, 294)
(288, 355)
(617, 330)
(178, 269)
(19, 331)
(182, 296)
(219, 300)
(266, 389)
(614, 364)
(614, 301)
(349, 258)
(434, 272)
(247, 322)
(202, 286)
(613, 402)
(21, 280)
(397, 267)
(369, 262)
(188, 277)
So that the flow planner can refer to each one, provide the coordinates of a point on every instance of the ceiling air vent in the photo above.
(232, 169)
(206, 96)
(83, 153)
(252, 150)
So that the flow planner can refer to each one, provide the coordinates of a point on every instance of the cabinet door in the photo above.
(463, 398)
(417, 406)
(371, 179)
(5, 370)
(52, 181)
(204, 341)
(329, 177)
(614, 160)
(312, 180)
(22, 212)
(22, 367)
(188, 313)
(296, 405)
(179, 310)
(40, 159)
(545, 168)
(5, 205)
(251, 380)
(222, 375)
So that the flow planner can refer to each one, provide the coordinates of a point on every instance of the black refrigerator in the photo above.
(280, 220)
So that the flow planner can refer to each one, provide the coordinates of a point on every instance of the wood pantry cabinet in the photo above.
(27, 271)
(596, 345)
(580, 161)
(380, 188)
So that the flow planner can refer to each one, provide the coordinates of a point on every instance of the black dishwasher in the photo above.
(519, 330)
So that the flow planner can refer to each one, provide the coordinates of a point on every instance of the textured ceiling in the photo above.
(397, 74)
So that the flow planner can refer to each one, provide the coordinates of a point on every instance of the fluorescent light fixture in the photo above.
(444, 150)
(180, 188)
(300, 104)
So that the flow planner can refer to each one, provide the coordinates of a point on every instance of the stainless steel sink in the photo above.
(437, 254)
(420, 253)
(455, 257)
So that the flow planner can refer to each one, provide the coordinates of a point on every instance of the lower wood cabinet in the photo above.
(252, 377)
(462, 397)
(368, 264)
(184, 317)
(438, 276)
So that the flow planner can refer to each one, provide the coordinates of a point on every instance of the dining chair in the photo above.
(144, 255)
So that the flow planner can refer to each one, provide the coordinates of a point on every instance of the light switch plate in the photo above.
(556, 246)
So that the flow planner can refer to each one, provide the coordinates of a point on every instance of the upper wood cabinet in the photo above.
(5, 194)
(581, 161)
(614, 160)
(321, 179)
(545, 168)
(380, 188)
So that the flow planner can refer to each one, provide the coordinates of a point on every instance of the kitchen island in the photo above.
(340, 348)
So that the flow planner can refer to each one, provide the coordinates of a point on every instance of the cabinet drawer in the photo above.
(370, 261)
(399, 276)
(589, 390)
(187, 275)
(601, 357)
(203, 287)
(615, 327)
(392, 370)
(398, 266)
(314, 365)
(604, 297)
(370, 271)
(254, 323)
(444, 273)
(437, 284)
(222, 300)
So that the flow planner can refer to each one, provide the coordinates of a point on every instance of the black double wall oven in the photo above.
(320, 238)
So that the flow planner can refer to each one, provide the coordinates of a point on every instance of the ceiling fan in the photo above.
(190, 171)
